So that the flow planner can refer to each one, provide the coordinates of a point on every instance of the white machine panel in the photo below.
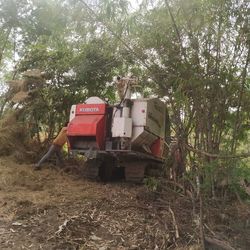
(72, 113)
(139, 112)
(142, 137)
(122, 127)
(94, 100)
(148, 117)
(150, 114)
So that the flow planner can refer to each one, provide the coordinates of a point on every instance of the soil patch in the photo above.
(50, 209)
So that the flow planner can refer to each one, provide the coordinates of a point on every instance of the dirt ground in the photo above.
(51, 209)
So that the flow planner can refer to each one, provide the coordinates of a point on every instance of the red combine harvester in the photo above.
(128, 136)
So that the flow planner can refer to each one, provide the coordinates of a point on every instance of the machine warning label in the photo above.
(89, 109)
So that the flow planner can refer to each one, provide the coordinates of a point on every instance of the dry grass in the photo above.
(16, 84)
(13, 137)
(19, 89)
(54, 210)
(20, 97)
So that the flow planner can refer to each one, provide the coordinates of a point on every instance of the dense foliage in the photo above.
(195, 53)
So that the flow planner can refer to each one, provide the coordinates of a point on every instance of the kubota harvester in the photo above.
(129, 136)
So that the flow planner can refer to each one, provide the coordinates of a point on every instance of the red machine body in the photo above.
(89, 123)
(157, 148)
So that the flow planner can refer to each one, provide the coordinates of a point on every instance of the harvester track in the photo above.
(134, 171)
(91, 169)
(135, 167)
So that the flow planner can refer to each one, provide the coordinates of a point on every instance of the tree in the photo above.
(193, 53)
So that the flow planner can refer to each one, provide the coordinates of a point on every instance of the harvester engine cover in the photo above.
(88, 127)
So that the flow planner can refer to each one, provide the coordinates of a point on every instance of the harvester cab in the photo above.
(129, 135)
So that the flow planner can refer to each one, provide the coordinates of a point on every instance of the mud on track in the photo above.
(50, 209)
